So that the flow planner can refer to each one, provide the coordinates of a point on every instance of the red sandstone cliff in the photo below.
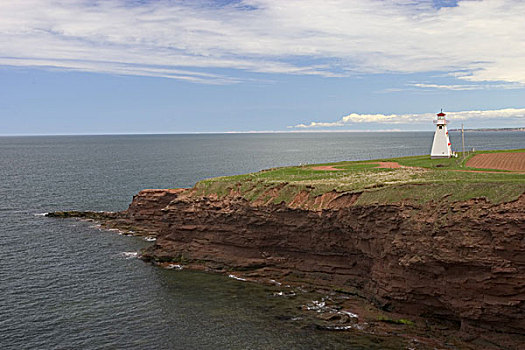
(463, 262)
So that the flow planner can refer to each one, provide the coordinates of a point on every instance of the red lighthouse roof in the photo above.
(441, 114)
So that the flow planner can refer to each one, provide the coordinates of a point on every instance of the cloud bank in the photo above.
(355, 118)
(203, 40)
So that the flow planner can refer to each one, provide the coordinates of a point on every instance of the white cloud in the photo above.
(467, 87)
(484, 40)
(355, 118)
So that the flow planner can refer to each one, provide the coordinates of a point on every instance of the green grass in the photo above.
(422, 180)
(402, 321)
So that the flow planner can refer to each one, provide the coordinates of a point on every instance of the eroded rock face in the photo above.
(463, 262)
(145, 215)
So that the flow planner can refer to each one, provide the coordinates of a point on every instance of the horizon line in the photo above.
(213, 132)
(240, 132)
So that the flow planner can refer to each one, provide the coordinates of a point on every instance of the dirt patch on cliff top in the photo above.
(502, 161)
(389, 165)
(325, 167)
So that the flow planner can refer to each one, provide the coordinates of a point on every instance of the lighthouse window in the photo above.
(441, 126)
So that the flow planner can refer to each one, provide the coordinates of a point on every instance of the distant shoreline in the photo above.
(492, 129)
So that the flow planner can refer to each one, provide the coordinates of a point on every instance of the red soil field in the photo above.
(502, 161)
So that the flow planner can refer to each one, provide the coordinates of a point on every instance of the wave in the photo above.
(237, 278)
(173, 267)
(130, 255)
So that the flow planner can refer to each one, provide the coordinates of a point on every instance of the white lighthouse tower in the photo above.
(441, 145)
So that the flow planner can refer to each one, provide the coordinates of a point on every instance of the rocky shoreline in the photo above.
(458, 269)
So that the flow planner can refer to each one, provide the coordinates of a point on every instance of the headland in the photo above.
(434, 246)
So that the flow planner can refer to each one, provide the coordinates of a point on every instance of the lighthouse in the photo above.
(441, 145)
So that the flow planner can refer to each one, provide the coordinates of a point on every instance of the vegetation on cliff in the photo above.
(415, 179)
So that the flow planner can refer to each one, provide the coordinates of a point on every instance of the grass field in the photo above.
(419, 179)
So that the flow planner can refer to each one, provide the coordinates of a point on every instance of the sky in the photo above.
(190, 66)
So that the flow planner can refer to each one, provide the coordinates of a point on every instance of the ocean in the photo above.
(66, 284)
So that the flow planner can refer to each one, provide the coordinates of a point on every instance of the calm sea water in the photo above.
(67, 285)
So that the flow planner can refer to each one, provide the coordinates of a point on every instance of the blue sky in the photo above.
(115, 66)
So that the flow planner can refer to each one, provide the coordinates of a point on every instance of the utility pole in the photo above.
(463, 140)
